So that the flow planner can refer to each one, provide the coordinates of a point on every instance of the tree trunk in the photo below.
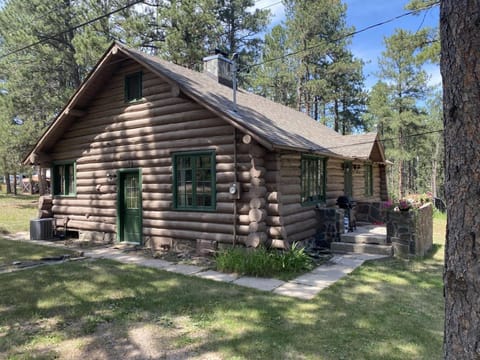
(8, 185)
(460, 52)
(15, 183)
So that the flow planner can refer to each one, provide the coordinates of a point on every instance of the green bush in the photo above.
(262, 262)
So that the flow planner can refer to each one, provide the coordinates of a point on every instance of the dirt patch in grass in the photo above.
(139, 340)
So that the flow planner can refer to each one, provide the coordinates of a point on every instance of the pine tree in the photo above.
(239, 31)
(189, 29)
(312, 49)
(404, 83)
(275, 79)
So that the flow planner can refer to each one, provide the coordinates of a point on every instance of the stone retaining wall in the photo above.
(410, 232)
(330, 226)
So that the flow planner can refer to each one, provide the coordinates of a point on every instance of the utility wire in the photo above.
(395, 18)
(53, 36)
(387, 139)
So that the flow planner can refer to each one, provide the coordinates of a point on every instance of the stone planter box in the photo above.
(410, 232)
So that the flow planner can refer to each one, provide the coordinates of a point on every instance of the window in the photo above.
(194, 180)
(313, 179)
(368, 170)
(133, 87)
(64, 179)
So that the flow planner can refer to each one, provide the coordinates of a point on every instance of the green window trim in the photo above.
(313, 179)
(194, 180)
(134, 87)
(368, 171)
(64, 178)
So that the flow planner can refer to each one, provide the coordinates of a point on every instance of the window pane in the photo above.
(312, 181)
(133, 86)
(194, 181)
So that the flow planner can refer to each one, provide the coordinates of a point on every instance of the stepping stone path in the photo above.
(305, 287)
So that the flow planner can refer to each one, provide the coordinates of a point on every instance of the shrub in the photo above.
(263, 262)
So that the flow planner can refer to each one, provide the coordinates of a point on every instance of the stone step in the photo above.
(355, 238)
(343, 247)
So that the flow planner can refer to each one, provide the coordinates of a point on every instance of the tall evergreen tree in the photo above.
(328, 80)
(189, 28)
(405, 85)
(272, 78)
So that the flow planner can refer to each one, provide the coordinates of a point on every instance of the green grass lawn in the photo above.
(16, 212)
(391, 309)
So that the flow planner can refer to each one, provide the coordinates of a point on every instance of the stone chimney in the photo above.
(219, 68)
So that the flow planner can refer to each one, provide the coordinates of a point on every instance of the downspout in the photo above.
(235, 179)
(235, 182)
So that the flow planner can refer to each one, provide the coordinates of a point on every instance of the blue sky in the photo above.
(368, 45)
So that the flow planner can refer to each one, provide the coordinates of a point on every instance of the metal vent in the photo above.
(41, 229)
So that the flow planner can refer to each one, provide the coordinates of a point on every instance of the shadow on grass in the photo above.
(380, 311)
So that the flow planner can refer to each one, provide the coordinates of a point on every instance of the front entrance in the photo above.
(348, 181)
(129, 207)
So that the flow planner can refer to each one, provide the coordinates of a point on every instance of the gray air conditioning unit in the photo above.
(41, 229)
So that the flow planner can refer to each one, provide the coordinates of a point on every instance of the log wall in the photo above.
(117, 135)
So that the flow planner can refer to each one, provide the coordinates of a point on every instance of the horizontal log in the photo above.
(244, 219)
(93, 219)
(118, 114)
(254, 227)
(290, 156)
(299, 227)
(257, 215)
(84, 210)
(290, 172)
(152, 154)
(126, 118)
(45, 203)
(192, 235)
(257, 171)
(44, 214)
(87, 203)
(287, 189)
(277, 231)
(87, 225)
(290, 199)
(299, 217)
(274, 220)
(257, 203)
(301, 236)
(188, 225)
(251, 191)
(146, 138)
(190, 216)
(256, 239)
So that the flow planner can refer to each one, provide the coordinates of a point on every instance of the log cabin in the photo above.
(148, 152)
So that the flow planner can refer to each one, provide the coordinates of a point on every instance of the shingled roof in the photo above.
(276, 126)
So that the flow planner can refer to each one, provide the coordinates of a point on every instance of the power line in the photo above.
(388, 139)
(395, 18)
(53, 36)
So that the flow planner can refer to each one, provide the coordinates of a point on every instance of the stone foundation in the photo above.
(410, 232)
(96, 237)
(371, 212)
(330, 226)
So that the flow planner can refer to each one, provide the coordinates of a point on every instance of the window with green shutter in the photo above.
(313, 179)
(368, 171)
(194, 180)
(133, 87)
(64, 179)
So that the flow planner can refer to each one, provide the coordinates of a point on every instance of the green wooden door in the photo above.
(348, 181)
(130, 209)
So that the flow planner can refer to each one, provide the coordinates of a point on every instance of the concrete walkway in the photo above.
(304, 287)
